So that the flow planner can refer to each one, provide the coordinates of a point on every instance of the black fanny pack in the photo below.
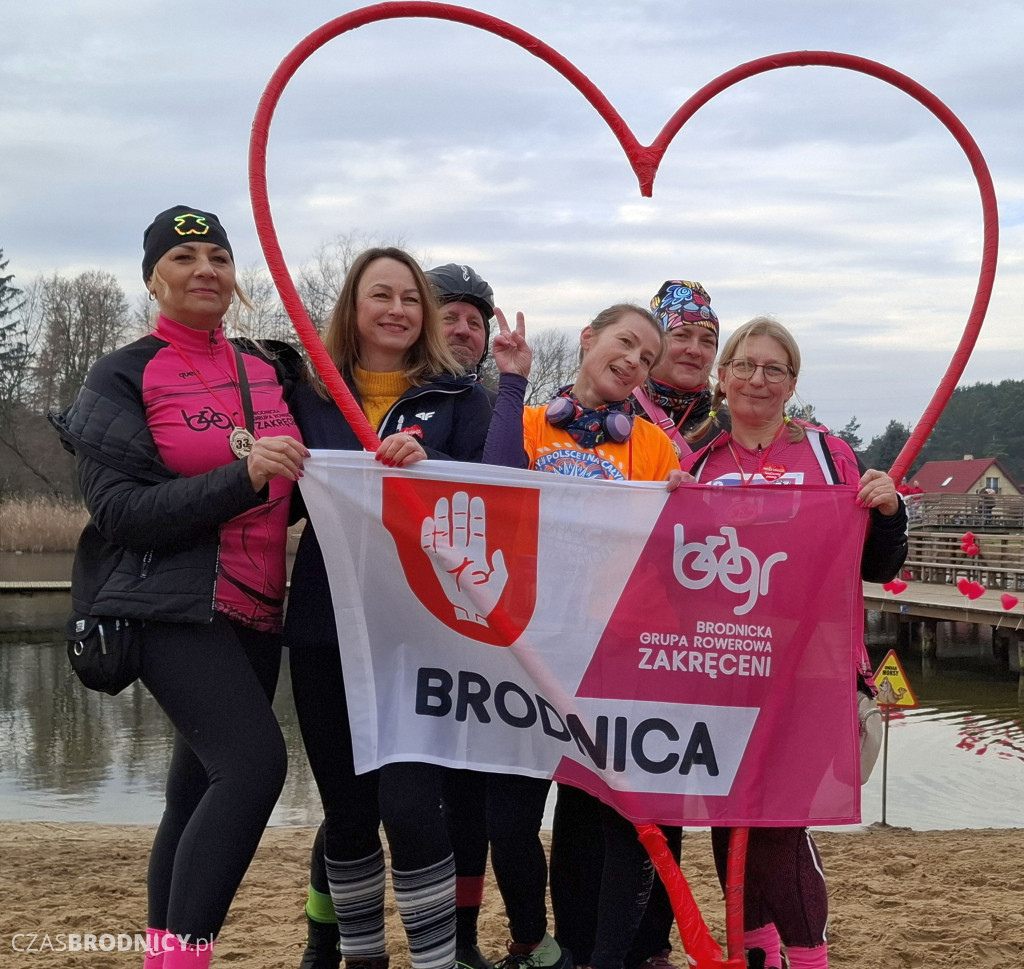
(105, 653)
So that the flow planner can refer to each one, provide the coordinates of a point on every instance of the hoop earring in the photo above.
(152, 296)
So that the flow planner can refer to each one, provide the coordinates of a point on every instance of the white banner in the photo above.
(483, 623)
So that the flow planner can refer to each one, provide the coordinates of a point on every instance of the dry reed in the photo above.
(40, 524)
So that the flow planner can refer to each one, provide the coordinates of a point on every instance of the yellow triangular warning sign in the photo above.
(892, 683)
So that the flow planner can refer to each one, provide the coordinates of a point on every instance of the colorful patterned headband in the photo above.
(682, 303)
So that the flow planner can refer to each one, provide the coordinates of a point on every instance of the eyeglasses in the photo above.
(773, 372)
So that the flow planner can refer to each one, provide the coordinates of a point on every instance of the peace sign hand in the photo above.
(509, 349)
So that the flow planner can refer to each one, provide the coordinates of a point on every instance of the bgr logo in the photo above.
(738, 568)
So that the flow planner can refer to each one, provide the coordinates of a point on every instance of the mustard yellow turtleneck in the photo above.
(378, 391)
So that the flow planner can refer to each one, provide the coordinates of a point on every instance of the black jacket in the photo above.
(150, 549)
(451, 415)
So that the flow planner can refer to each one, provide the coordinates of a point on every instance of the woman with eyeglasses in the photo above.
(785, 895)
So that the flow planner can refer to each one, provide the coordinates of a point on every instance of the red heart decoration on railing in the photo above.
(895, 587)
(1008, 600)
(643, 159)
(963, 584)
(975, 590)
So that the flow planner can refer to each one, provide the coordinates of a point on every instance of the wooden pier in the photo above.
(930, 600)
(926, 604)
(27, 588)
(34, 610)
(923, 603)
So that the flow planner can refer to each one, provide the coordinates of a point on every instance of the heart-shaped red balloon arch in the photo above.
(644, 160)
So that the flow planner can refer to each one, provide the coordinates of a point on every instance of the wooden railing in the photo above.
(997, 513)
(937, 556)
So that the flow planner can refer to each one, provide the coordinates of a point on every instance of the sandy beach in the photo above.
(899, 898)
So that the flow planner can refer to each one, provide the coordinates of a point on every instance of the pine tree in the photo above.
(885, 447)
(13, 342)
(14, 348)
(850, 435)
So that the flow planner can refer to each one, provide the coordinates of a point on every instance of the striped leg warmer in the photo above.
(426, 902)
(357, 890)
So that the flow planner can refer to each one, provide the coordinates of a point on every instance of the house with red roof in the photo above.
(967, 477)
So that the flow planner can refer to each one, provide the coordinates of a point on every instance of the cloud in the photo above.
(820, 195)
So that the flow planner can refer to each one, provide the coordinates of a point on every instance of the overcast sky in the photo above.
(825, 197)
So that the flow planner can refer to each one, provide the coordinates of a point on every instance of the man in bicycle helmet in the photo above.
(467, 305)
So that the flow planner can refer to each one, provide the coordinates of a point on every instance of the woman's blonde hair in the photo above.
(426, 358)
(758, 326)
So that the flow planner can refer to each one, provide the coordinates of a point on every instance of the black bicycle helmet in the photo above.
(453, 283)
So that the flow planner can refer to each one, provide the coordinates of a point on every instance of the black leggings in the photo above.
(652, 936)
(577, 855)
(515, 810)
(406, 797)
(465, 799)
(465, 808)
(228, 765)
(601, 876)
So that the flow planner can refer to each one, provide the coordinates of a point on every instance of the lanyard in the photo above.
(658, 416)
(761, 457)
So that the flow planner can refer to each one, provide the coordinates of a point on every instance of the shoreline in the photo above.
(898, 897)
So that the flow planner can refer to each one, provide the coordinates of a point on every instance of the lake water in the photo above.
(67, 754)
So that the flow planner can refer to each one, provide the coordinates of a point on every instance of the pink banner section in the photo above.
(752, 601)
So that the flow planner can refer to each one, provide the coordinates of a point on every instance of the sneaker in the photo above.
(470, 957)
(659, 961)
(522, 956)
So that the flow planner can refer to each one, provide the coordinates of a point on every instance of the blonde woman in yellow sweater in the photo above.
(385, 337)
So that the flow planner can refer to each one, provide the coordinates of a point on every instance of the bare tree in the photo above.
(267, 319)
(555, 361)
(15, 378)
(33, 457)
(79, 320)
(319, 281)
(143, 315)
